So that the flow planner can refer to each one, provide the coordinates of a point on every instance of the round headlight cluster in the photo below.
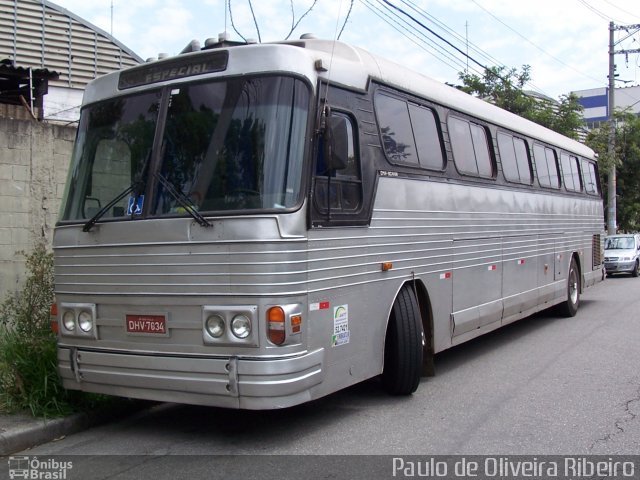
(239, 326)
(83, 321)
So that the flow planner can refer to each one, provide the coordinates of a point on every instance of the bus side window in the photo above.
(514, 156)
(546, 166)
(343, 188)
(590, 177)
(571, 172)
(470, 148)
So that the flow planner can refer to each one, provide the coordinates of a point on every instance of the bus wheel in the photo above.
(570, 307)
(403, 346)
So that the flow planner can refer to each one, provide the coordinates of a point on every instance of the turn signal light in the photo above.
(276, 325)
(53, 321)
(296, 323)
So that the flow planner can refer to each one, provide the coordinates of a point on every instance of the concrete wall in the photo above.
(34, 159)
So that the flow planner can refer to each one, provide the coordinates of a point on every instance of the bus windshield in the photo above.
(227, 145)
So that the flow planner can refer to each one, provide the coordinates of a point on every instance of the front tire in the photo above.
(570, 307)
(634, 272)
(403, 346)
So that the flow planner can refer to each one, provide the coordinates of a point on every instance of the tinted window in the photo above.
(427, 137)
(590, 177)
(546, 166)
(470, 147)
(395, 128)
(571, 172)
(344, 188)
(514, 156)
(522, 157)
(409, 133)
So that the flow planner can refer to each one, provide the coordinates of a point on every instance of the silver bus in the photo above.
(257, 226)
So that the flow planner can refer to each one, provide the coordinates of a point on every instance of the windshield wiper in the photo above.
(184, 201)
(137, 187)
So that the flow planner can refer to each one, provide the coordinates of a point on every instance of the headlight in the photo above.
(241, 326)
(84, 321)
(69, 320)
(215, 326)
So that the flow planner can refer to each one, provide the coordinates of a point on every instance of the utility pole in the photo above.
(611, 144)
(612, 224)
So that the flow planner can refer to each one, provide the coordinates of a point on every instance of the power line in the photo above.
(536, 46)
(475, 48)
(434, 33)
(411, 32)
(598, 12)
(453, 46)
(621, 9)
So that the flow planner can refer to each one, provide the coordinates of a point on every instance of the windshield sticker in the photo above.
(137, 209)
(340, 326)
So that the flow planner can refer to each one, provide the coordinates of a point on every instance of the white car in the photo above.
(622, 254)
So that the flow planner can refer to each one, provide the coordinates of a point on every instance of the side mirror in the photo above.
(336, 143)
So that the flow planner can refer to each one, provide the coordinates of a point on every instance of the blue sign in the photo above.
(137, 208)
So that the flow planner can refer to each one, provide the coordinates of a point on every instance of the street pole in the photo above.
(611, 145)
(631, 30)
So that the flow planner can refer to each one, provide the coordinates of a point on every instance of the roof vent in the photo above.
(163, 55)
(193, 46)
(308, 36)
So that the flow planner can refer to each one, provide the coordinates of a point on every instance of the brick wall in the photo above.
(34, 159)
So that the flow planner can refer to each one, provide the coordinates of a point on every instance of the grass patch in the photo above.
(29, 378)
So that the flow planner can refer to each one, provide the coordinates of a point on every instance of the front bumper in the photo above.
(232, 382)
(614, 267)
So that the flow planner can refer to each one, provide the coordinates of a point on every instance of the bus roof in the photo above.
(352, 67)
(399, 76)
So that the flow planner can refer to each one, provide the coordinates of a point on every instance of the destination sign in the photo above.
(174, 69)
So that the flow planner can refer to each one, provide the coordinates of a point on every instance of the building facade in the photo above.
(47, 57)
(40, 35)
(596, 103)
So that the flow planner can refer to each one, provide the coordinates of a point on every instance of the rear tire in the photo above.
(570, 307)
(403, 346)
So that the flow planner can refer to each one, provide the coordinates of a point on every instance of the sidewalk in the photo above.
(21, 431)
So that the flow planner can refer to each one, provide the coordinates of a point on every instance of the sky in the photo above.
(565, 42)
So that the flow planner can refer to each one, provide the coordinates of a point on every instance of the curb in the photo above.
(41, 431)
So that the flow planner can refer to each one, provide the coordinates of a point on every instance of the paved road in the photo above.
(545, 385)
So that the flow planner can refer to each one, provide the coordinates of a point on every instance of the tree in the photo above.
(627, 161)
(504, 88)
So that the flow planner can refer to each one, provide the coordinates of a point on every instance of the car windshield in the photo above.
(619, 243)
(229, 145)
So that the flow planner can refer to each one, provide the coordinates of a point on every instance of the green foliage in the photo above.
(504, 88)
(27, 312)
(28, 363)
(627, 162)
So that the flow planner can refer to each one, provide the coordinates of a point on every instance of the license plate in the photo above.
(148, 324)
